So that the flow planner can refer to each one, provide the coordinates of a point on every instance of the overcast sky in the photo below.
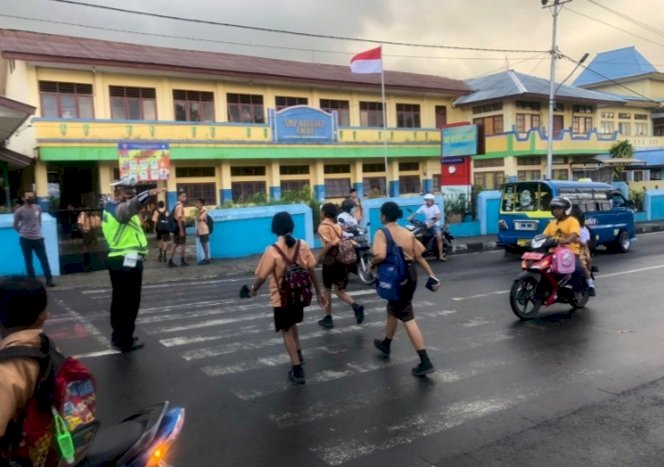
(495, 24)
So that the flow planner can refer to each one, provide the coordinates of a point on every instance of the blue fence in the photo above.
(12, 257)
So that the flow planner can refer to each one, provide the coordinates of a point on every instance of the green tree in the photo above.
(621, 150)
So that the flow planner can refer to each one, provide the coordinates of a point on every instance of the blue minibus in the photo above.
(524, 212)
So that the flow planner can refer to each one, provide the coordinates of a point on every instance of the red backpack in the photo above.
(64, 386)
(295, 286)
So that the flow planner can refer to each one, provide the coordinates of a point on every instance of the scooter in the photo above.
(141, 440)
(539, 285)
(363, 251)
(426, 236)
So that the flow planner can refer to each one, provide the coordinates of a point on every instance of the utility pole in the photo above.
(555, 8)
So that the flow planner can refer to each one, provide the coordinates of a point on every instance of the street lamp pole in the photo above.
(555, 7)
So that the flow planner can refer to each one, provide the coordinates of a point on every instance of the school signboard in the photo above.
(148, 162)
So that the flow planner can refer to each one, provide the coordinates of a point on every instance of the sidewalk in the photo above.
(156, 272)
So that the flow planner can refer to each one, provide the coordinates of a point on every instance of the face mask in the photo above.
(30, 200)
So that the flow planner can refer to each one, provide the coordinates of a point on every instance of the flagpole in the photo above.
(382, 90)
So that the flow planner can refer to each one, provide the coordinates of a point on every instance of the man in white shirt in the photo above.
(432, 217)
(346, 220)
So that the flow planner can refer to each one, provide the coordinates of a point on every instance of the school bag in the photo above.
(162, 221)
(173, 225)
(393, 271)
(295, 286)
(210, 223)
(564, 260)
(346, 253)
(59, 421)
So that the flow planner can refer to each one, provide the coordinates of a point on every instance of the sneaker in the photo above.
(326, 322)
(296, 375)
(591, 291)
(171, 264)
(380, 345)
(424, 368)
(443, 258)
(359, 313)
(136, 344)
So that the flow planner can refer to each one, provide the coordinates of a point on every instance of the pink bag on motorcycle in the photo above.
(564, 260)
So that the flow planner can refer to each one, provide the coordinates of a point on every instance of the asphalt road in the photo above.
(582, 388)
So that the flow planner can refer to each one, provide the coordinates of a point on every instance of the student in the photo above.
(402, 310)
(432, 217)
(160, 219)
(28, 224)
(358, 211)
(335, 273)
(273, 266)
(22, 316)
(180, 234)
(202, 230)
(584, 254)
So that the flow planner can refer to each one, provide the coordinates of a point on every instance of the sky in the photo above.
(583, 27)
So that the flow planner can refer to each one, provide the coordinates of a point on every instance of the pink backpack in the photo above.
(564, 260)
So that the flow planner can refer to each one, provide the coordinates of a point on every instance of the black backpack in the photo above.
(162, 221)
(295, 286)
(172, 222)
(210, 223)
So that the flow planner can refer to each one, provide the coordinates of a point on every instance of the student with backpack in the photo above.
(204, 228)
(395, 251)
(289, 264)
(160, 219)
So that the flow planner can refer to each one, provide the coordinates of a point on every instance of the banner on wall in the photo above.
(149, 162)
(459, 141)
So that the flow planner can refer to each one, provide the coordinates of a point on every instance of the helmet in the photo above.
(561, 202)
(429, 196)
(347, 205)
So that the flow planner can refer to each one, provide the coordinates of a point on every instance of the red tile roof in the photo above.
(26, 45)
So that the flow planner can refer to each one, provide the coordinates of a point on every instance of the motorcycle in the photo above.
(141, 440)
(361, 267)
(426, 236)
(538, 285)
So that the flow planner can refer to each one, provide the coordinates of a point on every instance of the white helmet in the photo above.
(429, 196)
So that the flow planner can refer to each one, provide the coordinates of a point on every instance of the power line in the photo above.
(628, 18)
(294, 33)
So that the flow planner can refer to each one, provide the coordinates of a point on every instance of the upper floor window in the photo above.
(525, 122)
(193, 106)
(581, 125)
(480, 109)
(608, 114)
(371, 114)
(245, 108)
(66, 100)
(281, 102)
(528, 105)
(558, 107)
(342, 108)
(582, 109)
(624, 116)
(408, 115)
(129, 103)
(489, 125)
(640, 116)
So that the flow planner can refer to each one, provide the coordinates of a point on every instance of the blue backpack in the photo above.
(392, 272)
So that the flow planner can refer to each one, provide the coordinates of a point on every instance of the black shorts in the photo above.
(177, 240)
(284, 317)
(164, 235)
(402, 309)
(204, 238)
(335, 274)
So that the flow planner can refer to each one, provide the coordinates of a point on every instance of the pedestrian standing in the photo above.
(335, 273)
(28, 224)
(88, 223)
(128, 247)
(203, 230)
(358, 210)
(402, 309)
(274, 265)
(180, 232)
(160, 218)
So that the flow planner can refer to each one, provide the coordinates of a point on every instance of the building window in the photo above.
(527, 105)
(293, 186)
(408, 116)
(184, 172)
(193, 106)
(560, 174)
(410, 184)
(640, 129)
(376, 167)
(245, 108)
(559, 160)
(66, 100)
(337, 187)
(435, 185)
(625, 128)
(408, 166)
(490, 125)
(607, 127)
(337, 168)
(528, 161)
(247, 171)
(558, 107)
(497, 162)
(526, 175)
(640, 116)
(525, 122)
(371, 114)
(581, 125)
(441, 116)
(480, 109)
(341, 107)
(374, 187)
(243, 192)
(655, 174)
(624, 116)
(206, 191)
(608, 115)
(489, 180)
(582, 109)
(281, 102)
(293, 170)
(133, 103)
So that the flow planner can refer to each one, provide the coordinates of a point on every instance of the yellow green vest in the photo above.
(123, 238)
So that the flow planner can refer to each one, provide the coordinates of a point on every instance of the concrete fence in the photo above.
(10, 250)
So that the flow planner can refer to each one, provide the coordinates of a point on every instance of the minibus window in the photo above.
(526, 197)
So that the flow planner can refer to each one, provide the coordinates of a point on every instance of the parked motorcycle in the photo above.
(538, 285)
(363, 251)
(141, 440)
(426, 236)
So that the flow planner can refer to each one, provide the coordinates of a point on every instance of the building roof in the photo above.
(614, 65)
(50, 48)
(12, 115)
(519, 85)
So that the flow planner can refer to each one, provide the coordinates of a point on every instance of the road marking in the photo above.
(101, 353)
(87, 325)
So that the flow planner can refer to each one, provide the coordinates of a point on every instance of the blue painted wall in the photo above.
(275, 193)
(488, 209)
(465, 229)
(247, 231)
(394, 188)
(225, 195)
(654, 205)
(319, 192)
(12, 257)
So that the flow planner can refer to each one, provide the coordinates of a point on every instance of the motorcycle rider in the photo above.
(566, 229)
(346, 219)
(432, 216)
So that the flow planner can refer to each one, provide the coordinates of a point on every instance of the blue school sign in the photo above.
(303, 124)
(460, 141)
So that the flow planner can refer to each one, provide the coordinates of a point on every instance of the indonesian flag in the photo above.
(370, 61)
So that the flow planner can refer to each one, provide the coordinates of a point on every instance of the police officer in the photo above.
(128, 246)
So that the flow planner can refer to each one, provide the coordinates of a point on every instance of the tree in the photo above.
(621, 150)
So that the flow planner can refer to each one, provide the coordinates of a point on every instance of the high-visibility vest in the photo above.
(123, 238)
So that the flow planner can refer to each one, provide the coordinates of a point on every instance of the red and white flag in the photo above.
(370, 61)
